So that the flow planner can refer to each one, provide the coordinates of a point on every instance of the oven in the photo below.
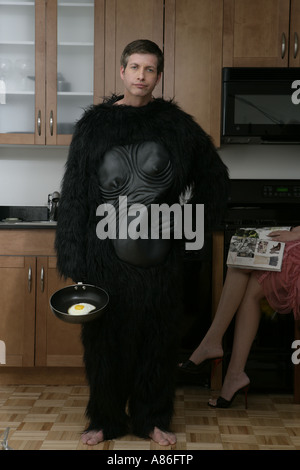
(264, 203)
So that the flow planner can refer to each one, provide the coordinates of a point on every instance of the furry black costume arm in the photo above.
(73, 214)
(208, 175)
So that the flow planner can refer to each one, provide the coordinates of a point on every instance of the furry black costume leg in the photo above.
(105, 370)
(151, 401)
(131, 352)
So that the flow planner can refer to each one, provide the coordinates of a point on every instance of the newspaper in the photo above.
(253, 248)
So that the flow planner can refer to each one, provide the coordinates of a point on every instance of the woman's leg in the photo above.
(234, 289)
(246, 326)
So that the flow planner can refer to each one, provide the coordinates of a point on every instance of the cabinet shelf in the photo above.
(74, 4)
(84, 44)
(17, 43)
(75, 93)
(29, 93)
(18, 4)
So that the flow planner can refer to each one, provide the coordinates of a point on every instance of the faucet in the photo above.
(53, 201)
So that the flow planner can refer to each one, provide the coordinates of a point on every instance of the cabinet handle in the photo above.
(39, 122)
(29, 279)
(296, 42)
(51, 123)
(283, 43)
(42, 279)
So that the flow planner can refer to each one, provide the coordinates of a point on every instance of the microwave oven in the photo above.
(261, 105)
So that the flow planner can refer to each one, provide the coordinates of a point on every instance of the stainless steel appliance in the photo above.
(261, 105)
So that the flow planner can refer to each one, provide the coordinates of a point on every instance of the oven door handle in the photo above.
(296, 45)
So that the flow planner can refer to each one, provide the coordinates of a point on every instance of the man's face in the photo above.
(140, 75)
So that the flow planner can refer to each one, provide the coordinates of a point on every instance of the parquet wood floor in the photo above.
(52, 418)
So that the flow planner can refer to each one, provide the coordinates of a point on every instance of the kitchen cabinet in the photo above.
(193, 59)
(51, 59)
(17, 315)
(261, 34)
(57, 343)
(28, 276)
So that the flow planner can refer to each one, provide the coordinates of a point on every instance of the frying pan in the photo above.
(63, 299)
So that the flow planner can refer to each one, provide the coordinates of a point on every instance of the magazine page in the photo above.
(253, 248)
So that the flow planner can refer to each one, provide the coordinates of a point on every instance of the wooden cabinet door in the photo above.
(256, 33)
(57, 343)
(22, 72)
(294, 56)
(193, 59)
(125, 21)
(17, 309)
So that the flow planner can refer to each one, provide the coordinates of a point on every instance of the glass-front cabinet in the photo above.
(47, 68)
(17, 68)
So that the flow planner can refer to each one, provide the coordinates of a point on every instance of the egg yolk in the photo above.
(79, 307)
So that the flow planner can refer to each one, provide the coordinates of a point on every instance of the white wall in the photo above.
(262, 161)
(28, 174)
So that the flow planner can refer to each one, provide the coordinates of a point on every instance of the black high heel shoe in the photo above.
(190, 367)
(223, 403)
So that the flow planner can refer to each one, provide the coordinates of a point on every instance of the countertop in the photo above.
(27, 225)
(25, 217)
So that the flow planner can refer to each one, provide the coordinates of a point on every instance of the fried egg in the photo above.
(81, 309)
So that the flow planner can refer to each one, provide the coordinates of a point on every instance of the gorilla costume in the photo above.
(151, 154)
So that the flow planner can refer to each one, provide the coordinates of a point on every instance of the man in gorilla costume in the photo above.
(150, 151)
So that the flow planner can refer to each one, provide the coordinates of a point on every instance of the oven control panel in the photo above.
(264, 192)
(281, 191)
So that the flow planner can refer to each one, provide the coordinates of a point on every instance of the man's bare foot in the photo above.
(163, 438)
(91, 438)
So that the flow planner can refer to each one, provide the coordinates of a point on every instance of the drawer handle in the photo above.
(39, 122)
(42, 279)
(29, 279)
(283, 44)
(296, 45)
(51, 123)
